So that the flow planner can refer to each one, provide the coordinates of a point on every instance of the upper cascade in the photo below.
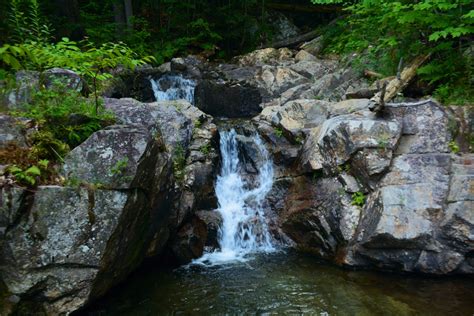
(173, 87)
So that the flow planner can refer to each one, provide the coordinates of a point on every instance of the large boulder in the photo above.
(296, 116)
(334, 142)
(418, 220)
(165, 118)
(118, 211)
(28, 82)
(318, 215)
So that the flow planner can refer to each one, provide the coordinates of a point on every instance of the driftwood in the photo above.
(304, 8)
(396, 85)
(294, 41)
(372, 74)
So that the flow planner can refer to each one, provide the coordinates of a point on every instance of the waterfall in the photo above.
(173, 87)
(244, 229)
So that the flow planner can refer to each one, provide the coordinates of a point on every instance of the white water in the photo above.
(173, 87)
(244, 230)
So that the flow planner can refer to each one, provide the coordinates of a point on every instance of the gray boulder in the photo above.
(164, 117)
(337, 139)
(12, 131)
(109, 158)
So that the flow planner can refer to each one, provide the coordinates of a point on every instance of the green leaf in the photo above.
(33, 171)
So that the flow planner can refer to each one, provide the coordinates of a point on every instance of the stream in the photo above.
(285, 283)
(252, 274)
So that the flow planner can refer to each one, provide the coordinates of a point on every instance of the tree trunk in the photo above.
(119, 18)
(129, 14)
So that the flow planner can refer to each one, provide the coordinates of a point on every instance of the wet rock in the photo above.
(190, 241)
(195, 177)
(213, 221)
(318, 216)
(227, 100)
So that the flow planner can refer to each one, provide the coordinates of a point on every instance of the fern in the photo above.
(27, 22)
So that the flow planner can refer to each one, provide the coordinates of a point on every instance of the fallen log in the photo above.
(294, 41)
(304, 8)
(396, 85)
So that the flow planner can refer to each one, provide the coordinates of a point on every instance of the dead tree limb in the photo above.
(294, 41)
(397, 85)
(304, 8)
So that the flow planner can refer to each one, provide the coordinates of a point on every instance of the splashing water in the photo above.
(173, 87)
(244, 229)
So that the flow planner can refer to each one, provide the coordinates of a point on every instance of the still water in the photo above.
(285, 283)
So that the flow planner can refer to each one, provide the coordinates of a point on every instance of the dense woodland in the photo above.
(385, 31)
(93, 38)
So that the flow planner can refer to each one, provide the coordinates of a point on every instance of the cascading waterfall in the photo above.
(244, 229)
(173, 87)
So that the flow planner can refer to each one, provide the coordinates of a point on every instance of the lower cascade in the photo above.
(173, 87)
(244, 229)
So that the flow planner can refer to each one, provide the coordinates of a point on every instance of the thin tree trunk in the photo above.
(129, 14)
(119, 18)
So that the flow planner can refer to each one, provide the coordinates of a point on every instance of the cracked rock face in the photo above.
(60, 236)
(92, 235)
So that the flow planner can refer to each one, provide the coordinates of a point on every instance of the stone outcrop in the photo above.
(27, 82)
(96, 233)
(419, 195)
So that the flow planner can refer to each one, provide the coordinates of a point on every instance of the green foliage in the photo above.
(454, 147)
(179, 162)
(92, 63)
(278, 131)
(27, 23)
(119, 167)
(28, 176)
(358, 199)
(205, 149)
(386, 31)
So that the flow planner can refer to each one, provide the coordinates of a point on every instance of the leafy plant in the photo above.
(454, 147)
(179, 162)
(28, 176)
(27, 23)
(119, 167)
(358, 199)
(278, 131)
(205, 149)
